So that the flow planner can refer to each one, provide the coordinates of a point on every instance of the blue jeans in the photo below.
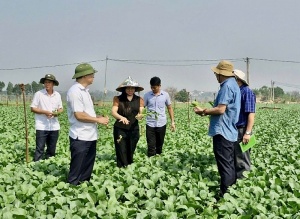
(43, 138)
(83, 154)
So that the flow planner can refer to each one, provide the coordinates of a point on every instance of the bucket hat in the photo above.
(83, 69)
(129, 82)
(224, 68)
(240, 75)
(49, 77)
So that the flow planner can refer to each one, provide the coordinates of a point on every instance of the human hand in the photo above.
(173, 128)
(199, 111)
(103, 120)
(55, 113)
(124, 120)
(246, 139)
(49, 114)
(139, 116)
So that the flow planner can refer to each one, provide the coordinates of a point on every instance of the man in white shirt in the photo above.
(46, 105)
(83, 133)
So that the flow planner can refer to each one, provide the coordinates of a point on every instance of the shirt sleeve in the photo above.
(60, 105)
(75, 100)
(225, 95)
(168, 99)
(115, 101)
(35, 100)
(250, 100)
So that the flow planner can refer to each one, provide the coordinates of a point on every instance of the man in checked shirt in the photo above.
(245, 124)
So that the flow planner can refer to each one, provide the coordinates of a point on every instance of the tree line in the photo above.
(12, 89)
(263, 94)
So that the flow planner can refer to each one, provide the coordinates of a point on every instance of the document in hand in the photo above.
(251, 143)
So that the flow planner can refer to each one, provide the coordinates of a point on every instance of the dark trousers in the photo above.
(224, 154)
(83, 154)
(43, 138)
(155, 139)
(242, 160)
(125, 145)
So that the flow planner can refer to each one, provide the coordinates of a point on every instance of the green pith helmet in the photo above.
(83, 69)
(49, 77)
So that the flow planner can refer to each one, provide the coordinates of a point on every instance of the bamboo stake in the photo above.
(25, 116)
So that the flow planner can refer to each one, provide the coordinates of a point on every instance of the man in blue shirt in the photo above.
(156, 101)
(223, 118)
(245, 123)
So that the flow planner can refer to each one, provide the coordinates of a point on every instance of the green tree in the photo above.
(9, 88)
(17, 89)
(256, 92)
(28, 89)
(2, 85)
(36, 86)
(265, 93)
(182, 96)
(278, 92)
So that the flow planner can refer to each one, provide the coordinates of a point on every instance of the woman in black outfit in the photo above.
(127, 109)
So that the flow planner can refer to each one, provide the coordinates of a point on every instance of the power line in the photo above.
(287, 85)
(174, 60)
(131, 61)
(153, 62)
(276, 60)
(47, 66)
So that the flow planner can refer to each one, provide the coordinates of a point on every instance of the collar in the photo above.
(226, 80)
(243, 86)
(159, 93)
(44, 91)
(81, 86)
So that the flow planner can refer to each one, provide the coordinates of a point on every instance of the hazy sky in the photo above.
(36, 33)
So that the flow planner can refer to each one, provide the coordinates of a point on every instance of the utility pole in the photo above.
(247, 63)
(105, 90)
(273, 93)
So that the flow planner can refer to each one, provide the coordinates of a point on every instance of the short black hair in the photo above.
(155, 81)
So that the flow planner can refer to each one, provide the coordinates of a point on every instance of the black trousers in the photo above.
(224, 154)
(242, 159)
(125, 144)
(83, 154)
(155, 139)
(43, 138)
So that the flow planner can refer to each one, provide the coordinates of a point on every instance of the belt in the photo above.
(241, 126)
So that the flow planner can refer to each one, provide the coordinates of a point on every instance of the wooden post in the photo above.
(25, 116)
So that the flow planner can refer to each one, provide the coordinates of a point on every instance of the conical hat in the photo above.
(129, 83)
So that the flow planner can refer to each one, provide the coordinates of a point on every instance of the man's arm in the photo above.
(171, 114)
(84, 117)
(250, 122)
(40, 111)
(218, 110)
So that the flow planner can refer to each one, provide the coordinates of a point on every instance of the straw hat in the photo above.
(240, 75)
(224, 68)
(49, 77)
(129, 82)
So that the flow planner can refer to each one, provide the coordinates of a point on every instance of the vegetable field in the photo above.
(181, 183)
